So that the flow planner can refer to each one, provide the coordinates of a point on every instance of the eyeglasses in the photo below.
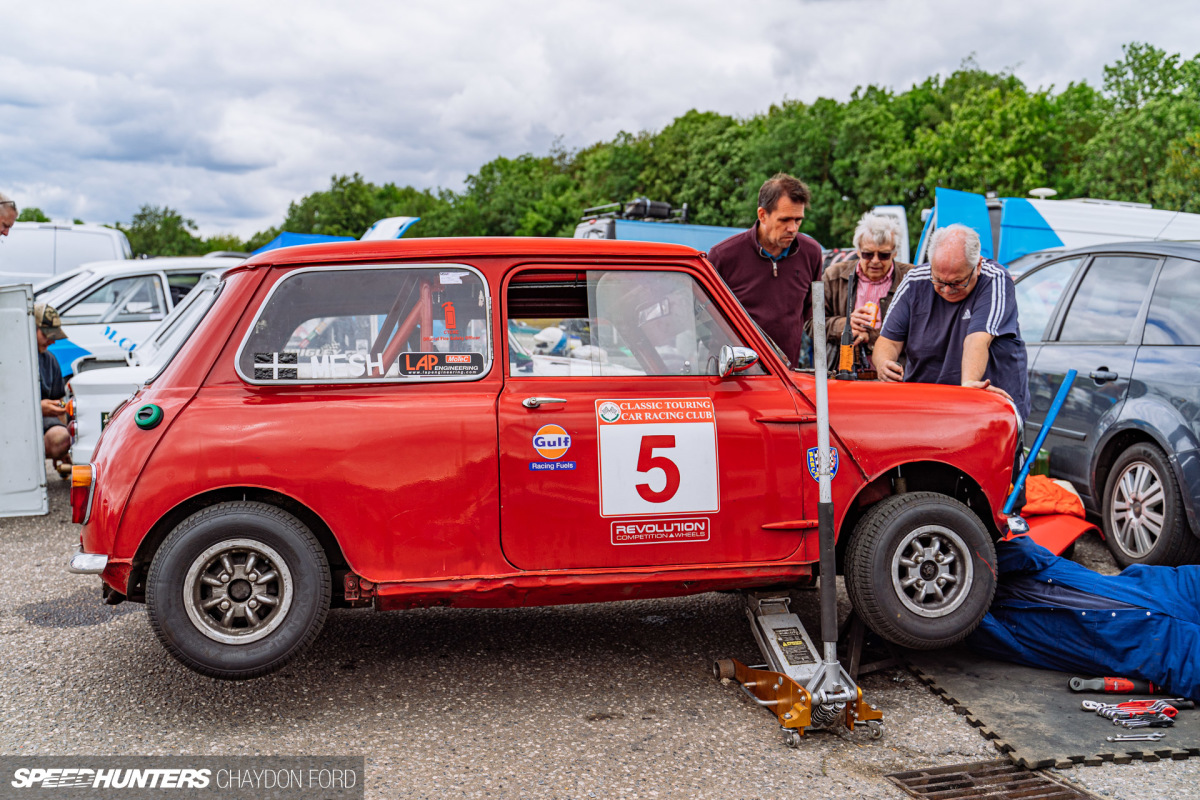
(12, 203)
(956, 285)
(882, 255)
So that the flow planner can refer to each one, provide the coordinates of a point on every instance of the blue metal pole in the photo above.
(1055, 407)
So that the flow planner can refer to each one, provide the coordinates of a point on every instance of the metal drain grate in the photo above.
(986, 779)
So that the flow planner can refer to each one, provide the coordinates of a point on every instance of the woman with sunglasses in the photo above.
(875, 274)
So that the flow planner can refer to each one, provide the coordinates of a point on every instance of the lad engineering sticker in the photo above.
(657, 456)
(439, 364)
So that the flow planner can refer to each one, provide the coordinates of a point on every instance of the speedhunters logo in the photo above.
(68, 778)
(225, 777)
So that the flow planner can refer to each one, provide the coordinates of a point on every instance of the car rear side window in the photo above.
(370, 324)
(1108, 300)
(1174, 316)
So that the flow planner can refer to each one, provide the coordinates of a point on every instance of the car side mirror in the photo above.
(735, 359)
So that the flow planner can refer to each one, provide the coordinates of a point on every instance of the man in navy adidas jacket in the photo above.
(956, 321)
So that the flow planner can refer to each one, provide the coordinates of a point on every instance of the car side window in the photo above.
(1108, 300)
(180, 283)
(134, 299)
(327, 325)
(614, 323)
(1038, 294)
(1174, 316)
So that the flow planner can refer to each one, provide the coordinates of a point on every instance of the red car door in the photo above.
(620, 445)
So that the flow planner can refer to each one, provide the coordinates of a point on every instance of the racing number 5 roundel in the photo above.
(657, 456)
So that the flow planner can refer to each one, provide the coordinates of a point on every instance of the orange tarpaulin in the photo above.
(1044, 496)
(1054, 513)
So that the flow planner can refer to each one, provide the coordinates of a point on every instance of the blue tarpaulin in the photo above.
(1052, 613)
(288, 239)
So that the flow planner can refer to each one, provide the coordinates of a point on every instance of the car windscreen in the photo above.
(57, 290)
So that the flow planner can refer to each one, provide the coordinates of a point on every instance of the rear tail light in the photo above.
(71, 408)
(71, 427)
(82, 485)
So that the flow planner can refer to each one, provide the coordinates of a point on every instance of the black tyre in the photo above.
(1144, 519)
(921, 570)
(238, 590)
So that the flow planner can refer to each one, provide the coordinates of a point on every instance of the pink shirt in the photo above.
(870, 291)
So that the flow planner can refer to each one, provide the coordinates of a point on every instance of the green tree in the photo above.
(1156, 108)
(32, 214)
(161, 231)
(348, 208)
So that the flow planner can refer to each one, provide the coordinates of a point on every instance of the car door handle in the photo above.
(1103, 375)
(534, 402)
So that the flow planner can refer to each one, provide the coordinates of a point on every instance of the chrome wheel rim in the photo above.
(1138, 509)
(238, 591)
(932, 571)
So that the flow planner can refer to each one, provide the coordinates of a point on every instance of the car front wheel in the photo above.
(921, 570)
(238, 589)
(1144, 521)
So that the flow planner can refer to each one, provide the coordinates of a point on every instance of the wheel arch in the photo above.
(917, 476)
(167, 523)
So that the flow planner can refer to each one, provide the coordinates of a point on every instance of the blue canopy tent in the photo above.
(288, 239)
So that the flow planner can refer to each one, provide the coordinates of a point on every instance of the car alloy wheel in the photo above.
(932, 571)
(238, 591)
(1138, 509)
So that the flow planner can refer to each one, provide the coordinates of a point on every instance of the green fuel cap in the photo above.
(148, 416)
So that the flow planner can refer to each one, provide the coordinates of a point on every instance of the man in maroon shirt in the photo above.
(772, 266)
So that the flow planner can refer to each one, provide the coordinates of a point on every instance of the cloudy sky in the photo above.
(226, 111)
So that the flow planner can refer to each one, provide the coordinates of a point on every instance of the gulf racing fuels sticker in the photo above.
(426, 365)
(814, 463)
(551, 443)
(657, 456)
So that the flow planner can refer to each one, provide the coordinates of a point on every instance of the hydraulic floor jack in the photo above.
(804, 688)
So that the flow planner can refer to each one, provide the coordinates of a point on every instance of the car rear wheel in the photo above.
(238, 590)
(921, 570)
(1144, 521)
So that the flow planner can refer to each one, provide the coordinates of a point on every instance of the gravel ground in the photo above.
(606, 701)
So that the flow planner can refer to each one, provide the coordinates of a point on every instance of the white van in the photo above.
(1011, 229)
(33, 252)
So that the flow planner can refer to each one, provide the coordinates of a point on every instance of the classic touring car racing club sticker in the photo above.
(551, 443)
(658, 455)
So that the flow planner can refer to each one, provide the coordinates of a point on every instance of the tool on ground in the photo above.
(1146, 721)
(1055, 407)
(1136, 737)
(1113, 685)
(1103, 709)
(804, 688)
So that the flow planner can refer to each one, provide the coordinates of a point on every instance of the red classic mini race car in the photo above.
(510, 422)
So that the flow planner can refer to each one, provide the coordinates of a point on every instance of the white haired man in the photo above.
(955, 319)
(8, 214)
(876, 273)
